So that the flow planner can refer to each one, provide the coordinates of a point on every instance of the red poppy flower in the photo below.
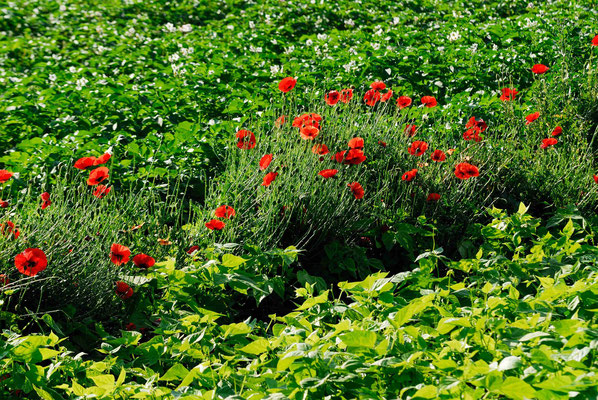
(85, 162)
(101, 191)
(596, 178)
(224, 211)
(31, 261)
(411, 130)
(265, 161)
(354, 157)
(532, 117)
(103, 159)
(45, 200)
(409, 175)
(404, 101)
(328, 173)
(429, 101)
(466, 171)
(539, 69)
(508, 94)
(5, 175)
(339, 157)
(215, 224)
(548, 143)
(371, 97)
(97, 175)
(346, 95)
(557, 131)
(433, 197)
(418, 148)
(287, 84)
(130, 326)
(123, 290)
(378, 85)
(143, 261)
(269, 178)
(4, 281)
(8, 228)
(280, 121)
(595, 41)
(304, 120)
(3, 203)
(320, 149)
(356, 143)
(472, 134)
(119, 254)
(246, 139)
(381, 143)
(472, 123)
(309, 132)
(192, 249)
(332, 97)
(438, 155)
(386, 96)
(356, 190)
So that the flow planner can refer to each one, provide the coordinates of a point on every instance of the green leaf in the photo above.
(309, 303)
(517, 389)
(256, 347)
(232, 261)
(105, 381)
(176, 373)
(358, 339)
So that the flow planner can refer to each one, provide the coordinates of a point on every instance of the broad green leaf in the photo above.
(175, 373)
(256, 347)
(517, 389)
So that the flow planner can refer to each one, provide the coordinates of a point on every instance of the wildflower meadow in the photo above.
(298, 200)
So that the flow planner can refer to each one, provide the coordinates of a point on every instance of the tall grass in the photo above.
(303, 209)
(76, 232)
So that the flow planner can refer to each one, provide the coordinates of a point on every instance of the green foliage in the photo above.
(520, 323)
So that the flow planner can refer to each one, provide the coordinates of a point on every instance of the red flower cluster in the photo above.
(7, 228)
(429, 101)
(548, 143)
(328, 173)
(86, 162)
(438, 155)
(539, 69)
(45, 200)
(123, 290)
(418, 148)
(465, 171)
(287, 84)
(531, 118)
(373, 95)
(97, 176)
(474, 128)
(119, 254)
(5, 175)
(224, 211)
(31, 261)
(246, 139)
(404, 101)
(508, 94)
(356, 190)
(334, 96)
(409, 175)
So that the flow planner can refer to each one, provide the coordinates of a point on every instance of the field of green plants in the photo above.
(298, 200)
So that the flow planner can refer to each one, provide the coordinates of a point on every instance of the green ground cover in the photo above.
(176, 223)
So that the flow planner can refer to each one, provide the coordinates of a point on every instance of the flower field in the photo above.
(298, 200)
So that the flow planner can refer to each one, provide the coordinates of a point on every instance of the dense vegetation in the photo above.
(299, 200)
